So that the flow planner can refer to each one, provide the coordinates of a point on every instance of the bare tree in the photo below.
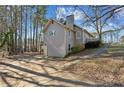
(98, 17)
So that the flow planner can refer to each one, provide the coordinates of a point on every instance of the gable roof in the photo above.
(84, 30)
(51, 21)
(88, 33)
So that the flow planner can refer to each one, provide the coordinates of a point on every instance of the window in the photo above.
(78, 34)
(52, 33)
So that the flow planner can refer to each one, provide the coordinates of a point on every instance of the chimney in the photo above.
(70, 21)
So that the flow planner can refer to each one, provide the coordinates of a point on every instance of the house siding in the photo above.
(87, 37)
(55, 44)
(79, 37)
(69, 40)
(59, 43)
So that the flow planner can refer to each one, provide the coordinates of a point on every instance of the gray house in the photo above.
(59, 37)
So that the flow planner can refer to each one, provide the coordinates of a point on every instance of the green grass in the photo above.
(116, 48)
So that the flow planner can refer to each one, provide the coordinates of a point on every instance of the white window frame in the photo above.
(78, 35)
(52, 33)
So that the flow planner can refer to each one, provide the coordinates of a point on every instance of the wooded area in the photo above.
(21, 28)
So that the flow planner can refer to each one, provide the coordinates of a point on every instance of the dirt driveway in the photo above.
(34, 70)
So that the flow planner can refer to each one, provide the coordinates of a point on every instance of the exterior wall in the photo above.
(69, 40)
(79, 37)
(86, 37)
(58, 41)
(55, 44)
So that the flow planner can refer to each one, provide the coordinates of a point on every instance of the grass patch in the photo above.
(116, 48)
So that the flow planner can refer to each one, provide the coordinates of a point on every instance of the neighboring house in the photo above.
(59, 38)
(122, 39)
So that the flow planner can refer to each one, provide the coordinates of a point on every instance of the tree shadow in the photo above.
(39, 64)
(29, 57)
(6, 75)
(5, 81)
(22, 69)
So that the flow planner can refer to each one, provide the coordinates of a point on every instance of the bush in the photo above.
(76, 49)
(93, 44)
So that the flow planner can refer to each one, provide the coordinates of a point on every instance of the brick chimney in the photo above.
(70, 21)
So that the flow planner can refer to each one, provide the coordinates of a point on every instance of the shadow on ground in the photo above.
(22, 69)
(6, 72)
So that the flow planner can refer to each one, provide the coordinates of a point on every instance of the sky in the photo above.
(65, 11)
(61, 11)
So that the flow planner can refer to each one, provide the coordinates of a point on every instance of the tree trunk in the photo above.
(25, 47)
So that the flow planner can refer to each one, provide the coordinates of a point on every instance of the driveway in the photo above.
(90, 53)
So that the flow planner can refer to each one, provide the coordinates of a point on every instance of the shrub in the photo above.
(76, 49)
(93, 44)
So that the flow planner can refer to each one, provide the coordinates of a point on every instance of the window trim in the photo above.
(78, 35)
(52, 33)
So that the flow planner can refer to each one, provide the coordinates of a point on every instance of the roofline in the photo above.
(88, 32)
(70, 15)
(51, 21)
(84, 30)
